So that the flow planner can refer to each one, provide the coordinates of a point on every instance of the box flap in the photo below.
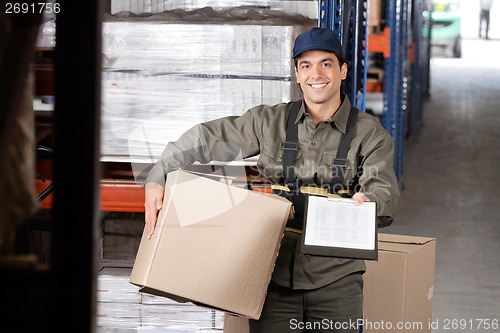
(404, 239)
(402, 243)
(223, 179)
(157, 292)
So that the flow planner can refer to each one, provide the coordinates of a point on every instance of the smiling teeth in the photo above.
(318, 85)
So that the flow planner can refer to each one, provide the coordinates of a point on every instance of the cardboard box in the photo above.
(398, 288)
(215, 245)
(375, 12)
(235, 324)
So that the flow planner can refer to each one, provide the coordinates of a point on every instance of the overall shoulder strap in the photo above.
(340, 161)
(290, 146)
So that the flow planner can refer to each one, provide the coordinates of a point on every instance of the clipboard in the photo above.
(335, 227)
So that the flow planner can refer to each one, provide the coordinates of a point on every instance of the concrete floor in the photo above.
(451, 184)
(451, 192)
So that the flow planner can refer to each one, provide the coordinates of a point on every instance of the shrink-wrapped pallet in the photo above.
(163, 74)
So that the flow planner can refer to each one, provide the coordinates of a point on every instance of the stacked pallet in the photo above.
(166, 72)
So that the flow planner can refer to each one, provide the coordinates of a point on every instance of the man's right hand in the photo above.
(153, 201)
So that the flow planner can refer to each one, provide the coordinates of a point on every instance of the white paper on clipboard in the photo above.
(336, 222)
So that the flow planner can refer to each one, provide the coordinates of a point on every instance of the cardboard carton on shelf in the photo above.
(375, 13)
(214, 245)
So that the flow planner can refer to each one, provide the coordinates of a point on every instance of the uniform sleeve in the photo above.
(378, 180)
(226, 139)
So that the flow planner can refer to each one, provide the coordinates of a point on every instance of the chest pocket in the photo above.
(270, 161)
(327, 161)
(352, 170)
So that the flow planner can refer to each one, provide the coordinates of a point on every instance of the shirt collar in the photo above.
(339, 118)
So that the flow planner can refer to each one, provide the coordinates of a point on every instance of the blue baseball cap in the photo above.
(317, 39)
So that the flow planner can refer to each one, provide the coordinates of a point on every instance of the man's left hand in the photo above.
(359, 198)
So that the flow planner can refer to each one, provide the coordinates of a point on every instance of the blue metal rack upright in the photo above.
(396, 79)
(421, 12)
(347, 18)
(395, 82)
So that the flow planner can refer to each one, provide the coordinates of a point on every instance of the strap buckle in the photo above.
(289, 145)
(293, 185)
(342, 162)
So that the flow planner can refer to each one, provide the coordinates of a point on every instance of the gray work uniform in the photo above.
(261, 131)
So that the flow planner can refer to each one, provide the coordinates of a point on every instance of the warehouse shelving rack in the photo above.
(405, 73)
(406, 64)
(404, 86)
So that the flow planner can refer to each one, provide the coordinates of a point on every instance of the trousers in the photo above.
(336, 307)
(484, 16)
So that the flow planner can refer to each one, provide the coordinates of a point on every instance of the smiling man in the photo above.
(299, 143)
